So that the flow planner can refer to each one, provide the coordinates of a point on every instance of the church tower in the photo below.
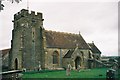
(27, 41)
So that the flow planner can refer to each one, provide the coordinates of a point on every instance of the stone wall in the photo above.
(49, 57)
(63, 61)
(5, 60)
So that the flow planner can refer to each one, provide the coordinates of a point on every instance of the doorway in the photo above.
(77, 62)
(16, 64)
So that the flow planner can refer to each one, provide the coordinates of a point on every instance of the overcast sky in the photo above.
(96, 21)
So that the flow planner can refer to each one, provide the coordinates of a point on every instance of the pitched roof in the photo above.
(68, 54)
(93, 48)
(4, 52)
(65, 40)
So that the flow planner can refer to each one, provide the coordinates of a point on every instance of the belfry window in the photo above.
(55, 57)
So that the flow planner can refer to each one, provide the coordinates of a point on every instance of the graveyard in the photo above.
(99, 73)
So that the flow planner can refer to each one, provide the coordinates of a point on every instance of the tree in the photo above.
(12, 1)
(1, 6)
(15, 1)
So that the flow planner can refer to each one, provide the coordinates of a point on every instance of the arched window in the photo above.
(82, 53)
(16, 64)
(89, 54)
(55, 57)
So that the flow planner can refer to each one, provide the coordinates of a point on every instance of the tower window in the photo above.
(33, 33)
(33, 20)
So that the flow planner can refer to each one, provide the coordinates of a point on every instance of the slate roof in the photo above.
(65, 40)
(68, 54)
(93, 48)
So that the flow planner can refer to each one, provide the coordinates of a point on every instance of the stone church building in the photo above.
(32, 46)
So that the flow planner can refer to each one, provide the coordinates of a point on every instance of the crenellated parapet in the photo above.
(26, 13)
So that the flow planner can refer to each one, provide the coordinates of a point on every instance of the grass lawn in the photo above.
(92, 73)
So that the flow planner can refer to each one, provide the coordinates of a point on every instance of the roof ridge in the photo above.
(5, 49)
(62, 32)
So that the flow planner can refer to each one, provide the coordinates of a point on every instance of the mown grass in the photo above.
(88, 73)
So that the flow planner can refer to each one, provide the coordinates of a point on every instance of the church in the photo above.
(33, 46)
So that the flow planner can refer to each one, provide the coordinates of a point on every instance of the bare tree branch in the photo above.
(12, 1)
(15, 1)
(1, 5)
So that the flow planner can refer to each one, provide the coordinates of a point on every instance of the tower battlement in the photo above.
(25, 13)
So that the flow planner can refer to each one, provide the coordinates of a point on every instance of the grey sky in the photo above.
(97, 21)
